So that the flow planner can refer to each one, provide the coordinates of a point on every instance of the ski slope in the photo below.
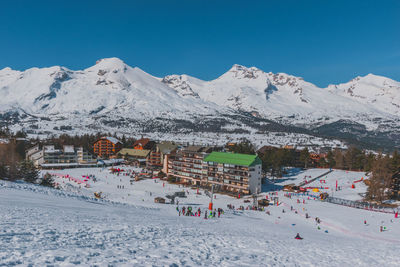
(327, 183)
(42, 226)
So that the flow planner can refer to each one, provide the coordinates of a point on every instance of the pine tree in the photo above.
(27, 171)
(330, 159)
(47, 180)
(381, 179)
(339, 160)
(3, 171)
(305, 157)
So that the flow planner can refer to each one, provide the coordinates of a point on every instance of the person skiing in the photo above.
(298, 237)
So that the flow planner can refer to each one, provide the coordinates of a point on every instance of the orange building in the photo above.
(106, 147)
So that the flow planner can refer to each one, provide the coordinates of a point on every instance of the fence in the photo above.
(361, 205)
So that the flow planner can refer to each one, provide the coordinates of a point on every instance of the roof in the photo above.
(134, 152)
(69, 149)
(50, 149)
(167, 147)
(233, 158)
(142, 142)
(193, 148)
(112, 139)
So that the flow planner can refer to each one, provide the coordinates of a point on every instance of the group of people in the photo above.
(188, 211)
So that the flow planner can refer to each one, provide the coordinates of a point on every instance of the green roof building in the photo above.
(233, 158)
(237, 173)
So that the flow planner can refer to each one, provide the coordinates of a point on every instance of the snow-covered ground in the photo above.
(327, 183)
(41, 226)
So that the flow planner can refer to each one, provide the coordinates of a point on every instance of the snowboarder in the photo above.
(298, 237)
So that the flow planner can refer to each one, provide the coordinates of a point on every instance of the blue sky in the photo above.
(322, 41)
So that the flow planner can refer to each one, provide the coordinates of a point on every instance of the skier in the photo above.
(298, 237)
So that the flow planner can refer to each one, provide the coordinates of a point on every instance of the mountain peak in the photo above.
(112, 63)
(240, 72)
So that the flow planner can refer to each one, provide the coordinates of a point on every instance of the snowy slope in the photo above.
(52, 227)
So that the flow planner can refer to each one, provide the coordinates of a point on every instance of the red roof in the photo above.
(142, 142)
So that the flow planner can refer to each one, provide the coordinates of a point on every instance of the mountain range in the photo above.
(117, 97)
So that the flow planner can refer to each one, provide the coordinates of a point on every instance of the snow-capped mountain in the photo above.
(110, 85)
(380, 92)
(114, 95)
(286, 97)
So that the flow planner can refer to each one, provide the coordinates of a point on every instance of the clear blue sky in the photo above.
(322, 41)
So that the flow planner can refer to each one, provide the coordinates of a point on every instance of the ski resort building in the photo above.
(187, 165)
(106, 147)
(238, 173)
(160, 154)
(132, 154)
(233, 172)
(143, 143)
(68, 156)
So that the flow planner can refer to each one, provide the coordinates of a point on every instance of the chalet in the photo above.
(131, 153)
(138, 157)
(106, 147)
(143, 143)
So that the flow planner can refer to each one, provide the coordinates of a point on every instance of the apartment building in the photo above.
(107, 146)
(187, 165)
(234, 172)
(51, 157)
(237, 173)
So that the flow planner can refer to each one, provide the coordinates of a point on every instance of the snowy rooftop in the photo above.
(112, 139)
(69, 149)
(50, 149)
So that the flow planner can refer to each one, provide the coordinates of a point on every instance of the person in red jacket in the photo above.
(298, 236)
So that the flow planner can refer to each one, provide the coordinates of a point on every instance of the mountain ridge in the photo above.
(113, 94)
